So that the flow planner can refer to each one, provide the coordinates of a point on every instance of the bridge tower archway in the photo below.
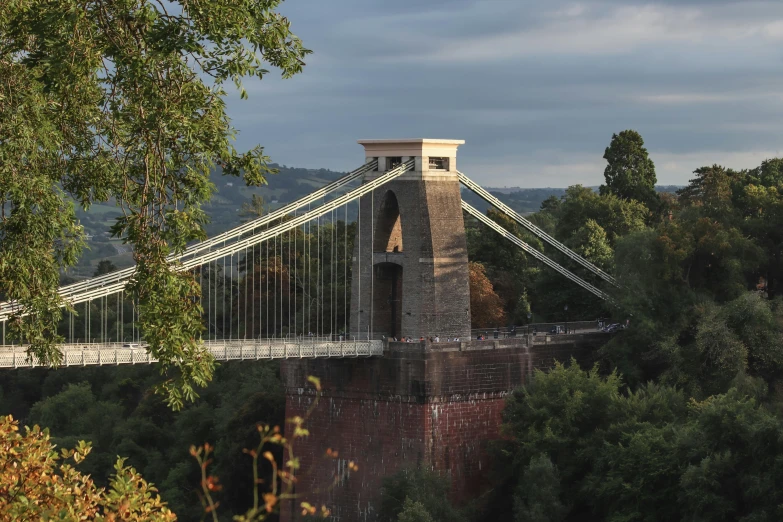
(388, 225)
(387, 301)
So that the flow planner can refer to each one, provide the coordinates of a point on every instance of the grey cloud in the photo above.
(528, 113)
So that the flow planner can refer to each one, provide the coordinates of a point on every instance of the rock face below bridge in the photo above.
(435, 405)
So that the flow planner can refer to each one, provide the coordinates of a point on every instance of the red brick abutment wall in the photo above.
(434, 405)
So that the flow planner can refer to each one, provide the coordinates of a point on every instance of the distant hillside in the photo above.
(288, 185)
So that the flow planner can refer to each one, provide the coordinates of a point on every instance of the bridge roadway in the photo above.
(89, 354)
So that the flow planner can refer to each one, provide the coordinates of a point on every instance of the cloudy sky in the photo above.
(536, 88)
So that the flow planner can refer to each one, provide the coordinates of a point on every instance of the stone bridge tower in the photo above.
(410, 260)
(422, 404)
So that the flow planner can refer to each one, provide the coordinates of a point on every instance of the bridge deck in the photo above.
(85, 354)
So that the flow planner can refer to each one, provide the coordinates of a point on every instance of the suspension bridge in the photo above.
(379, 253)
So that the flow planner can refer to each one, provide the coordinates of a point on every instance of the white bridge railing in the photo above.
(94, 354)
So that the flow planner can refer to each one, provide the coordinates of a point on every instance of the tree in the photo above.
(711, 189)
(74, 415)
(558, 413)
(537, 498)
(124, 100)
(486, 308)
(118, 413)
(630, 173)
(550, 204)
(414, 512)
(509, 269)
(253, 209)
(417, 495)
(760, 200)
(579, 443)
(37, 483)
(724, 479)
(618, 217)
(723, 344)
(590, 224)
(750, 202)
(105, 266)
(590, 242)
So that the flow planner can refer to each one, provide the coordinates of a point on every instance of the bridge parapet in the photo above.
(91, 354)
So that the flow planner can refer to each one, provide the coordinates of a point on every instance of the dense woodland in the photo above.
(680, 419)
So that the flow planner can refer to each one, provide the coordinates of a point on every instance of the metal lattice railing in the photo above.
(99, 354)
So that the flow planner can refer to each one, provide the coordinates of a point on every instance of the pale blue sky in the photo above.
(536, 88)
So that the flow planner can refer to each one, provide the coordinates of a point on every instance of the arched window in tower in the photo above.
(388, 226)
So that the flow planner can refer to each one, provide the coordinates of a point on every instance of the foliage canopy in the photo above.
(124, 99)
(39, 483)
(580, 443)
